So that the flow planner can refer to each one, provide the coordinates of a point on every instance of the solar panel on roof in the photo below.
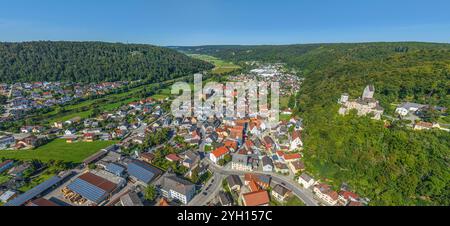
(142, 172)
(27, 196)
(115, 169)
(87, 190)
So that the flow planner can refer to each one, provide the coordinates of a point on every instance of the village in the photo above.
(153, 158)
(26, 97)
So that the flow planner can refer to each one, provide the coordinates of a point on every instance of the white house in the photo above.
(241, 163)
(405, 108)
(218, 154)
(296, 141)
(326, 194)
(306, 180)
(69, 132)
(267, 164)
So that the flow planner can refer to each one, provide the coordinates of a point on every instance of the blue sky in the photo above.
(201, 22)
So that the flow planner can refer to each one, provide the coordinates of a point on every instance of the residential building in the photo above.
(345, 197)
(267, 164)
(218, 154)
(296, 140)
(306, 180)
(259, 198)
(147, 157)
(225, 199)
(234, 182)
(262, 180)
(131, 199)
(281, 193)
(406, 108)
(175, 188)
(326, 194)
(281, 168)
(296, 166)
(241, 163)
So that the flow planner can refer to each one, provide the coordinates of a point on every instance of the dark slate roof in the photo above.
(172, 182)
(131, 199)
(225, 198)
(234, 180)
(267, 161)
(281, 190)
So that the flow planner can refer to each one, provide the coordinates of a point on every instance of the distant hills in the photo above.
(92, 62)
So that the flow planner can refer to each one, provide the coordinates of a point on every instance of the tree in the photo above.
(150, 193)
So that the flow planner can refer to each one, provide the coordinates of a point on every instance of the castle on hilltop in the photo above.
(365, 105)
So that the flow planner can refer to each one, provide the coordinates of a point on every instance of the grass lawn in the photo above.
(284, 102)
(59, 150)
(292, 201)
(159, 97)
(221, 66)
(4, 178)
(36, 181)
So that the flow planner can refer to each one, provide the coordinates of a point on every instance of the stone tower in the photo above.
(369, 91)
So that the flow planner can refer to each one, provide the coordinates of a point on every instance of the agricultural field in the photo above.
(221, 66)
(59, 150)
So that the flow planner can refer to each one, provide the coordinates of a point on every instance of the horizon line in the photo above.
(202, 45)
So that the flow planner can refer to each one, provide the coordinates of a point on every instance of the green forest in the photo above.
(92, 62)
(389, 164)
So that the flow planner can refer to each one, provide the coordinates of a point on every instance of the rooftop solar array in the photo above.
(27, 196)
(142, 171)
(88, 190)
(115, 169)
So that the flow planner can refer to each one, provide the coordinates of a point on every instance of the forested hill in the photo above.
(391, 165)
(92, 62)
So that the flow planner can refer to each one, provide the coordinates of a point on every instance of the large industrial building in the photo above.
(90, 189)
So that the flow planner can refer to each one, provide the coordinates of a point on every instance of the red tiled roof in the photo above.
(326, 189)
(42, 202)
(163, 202)
(97, 181)
(173, 157)
(296, 134)
(258, 198)
(231, 144)
(347, 195)
(253, 186)
(355, 204)
(292, 156)
(220, 152)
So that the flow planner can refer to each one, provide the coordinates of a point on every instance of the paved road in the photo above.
(305, 195)
(214, 188)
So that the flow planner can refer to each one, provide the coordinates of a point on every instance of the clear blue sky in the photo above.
(201, 22)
